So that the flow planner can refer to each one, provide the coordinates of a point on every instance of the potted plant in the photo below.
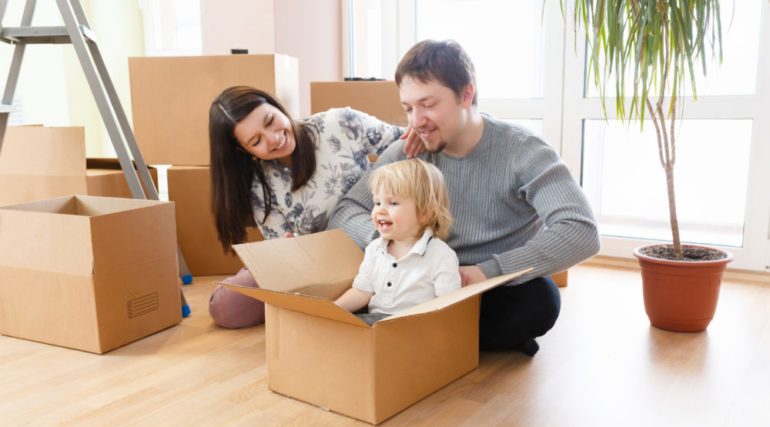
(659, 43)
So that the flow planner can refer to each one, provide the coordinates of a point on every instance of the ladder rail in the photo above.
(15, 69)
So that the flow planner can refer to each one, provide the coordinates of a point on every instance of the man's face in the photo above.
(433, 111)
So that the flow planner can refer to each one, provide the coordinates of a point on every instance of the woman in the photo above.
(285, 176)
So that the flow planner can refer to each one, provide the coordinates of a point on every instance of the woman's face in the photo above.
(266, 133)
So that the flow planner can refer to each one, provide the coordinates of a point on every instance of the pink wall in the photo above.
(245, 24)
(310, 31)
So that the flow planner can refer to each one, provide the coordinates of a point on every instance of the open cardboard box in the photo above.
(90, 273)
(320, 353)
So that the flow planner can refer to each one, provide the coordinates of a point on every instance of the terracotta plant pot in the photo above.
(681, 295)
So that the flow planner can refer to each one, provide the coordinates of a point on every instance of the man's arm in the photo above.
(353, 211)
(570, 234)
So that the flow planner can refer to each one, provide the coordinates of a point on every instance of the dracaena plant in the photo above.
(659, 45)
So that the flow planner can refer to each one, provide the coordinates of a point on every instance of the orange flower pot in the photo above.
(681, 296)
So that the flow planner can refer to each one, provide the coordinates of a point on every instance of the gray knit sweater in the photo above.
(515, 205)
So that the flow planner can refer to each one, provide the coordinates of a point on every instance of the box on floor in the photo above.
(43, 162)
(89, 273)
(189, 187)
(171, 98)
(319, 353)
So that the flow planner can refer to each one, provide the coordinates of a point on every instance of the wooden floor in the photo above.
(602, 365)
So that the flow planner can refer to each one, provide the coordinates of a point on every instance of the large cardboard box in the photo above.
(189, 187)
(171, 98)
(44, 162)
(319, 353)
(378, 98)
(89, 273)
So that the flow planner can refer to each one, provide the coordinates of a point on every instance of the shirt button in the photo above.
(395, 265)
(389, 284)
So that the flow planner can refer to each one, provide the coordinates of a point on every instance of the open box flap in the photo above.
(307, 304)
(290, 264)
(456, 296)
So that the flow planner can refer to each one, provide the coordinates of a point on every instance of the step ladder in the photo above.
(77, 32)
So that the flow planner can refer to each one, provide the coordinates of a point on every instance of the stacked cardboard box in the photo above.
(378, 98)
(171, 98)
(42, 162)
(89, 273)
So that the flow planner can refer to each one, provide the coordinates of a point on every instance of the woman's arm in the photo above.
(376, 135)
(354, 299)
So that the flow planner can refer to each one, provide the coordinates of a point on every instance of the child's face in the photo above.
(394, 216)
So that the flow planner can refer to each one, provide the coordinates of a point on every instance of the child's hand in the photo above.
(471, 274)
(413, 146)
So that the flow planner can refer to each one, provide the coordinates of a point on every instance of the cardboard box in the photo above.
(377, 98)
(171, 98)
(319, 353)
(44, 162)
(561, 278)
(189, 187)
(104, 177)
(89, 273)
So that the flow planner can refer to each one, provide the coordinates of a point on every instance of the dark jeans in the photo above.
(512, 315)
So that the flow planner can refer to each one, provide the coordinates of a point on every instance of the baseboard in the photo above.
(631, 264)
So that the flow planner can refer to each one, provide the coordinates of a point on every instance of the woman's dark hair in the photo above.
(233, 169)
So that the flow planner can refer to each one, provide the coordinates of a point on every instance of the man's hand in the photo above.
(413, 146)
(471, 274)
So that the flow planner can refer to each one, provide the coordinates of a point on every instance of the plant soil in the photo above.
(691, 253)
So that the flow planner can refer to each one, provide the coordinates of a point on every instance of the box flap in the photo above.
(315, 306)
(291, 264)
(457, 296)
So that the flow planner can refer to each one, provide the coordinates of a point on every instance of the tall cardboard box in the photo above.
(171, 98)
(189, 187)
(89, 273)
(321, 354)
(377, 98)
(44, 162)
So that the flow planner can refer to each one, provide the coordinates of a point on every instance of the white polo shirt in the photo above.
(428, 270)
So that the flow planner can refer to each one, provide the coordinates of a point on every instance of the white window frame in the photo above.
(564, 107)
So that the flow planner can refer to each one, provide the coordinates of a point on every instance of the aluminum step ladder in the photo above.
(77, 32)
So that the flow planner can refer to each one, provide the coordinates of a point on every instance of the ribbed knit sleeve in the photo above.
(515, 205)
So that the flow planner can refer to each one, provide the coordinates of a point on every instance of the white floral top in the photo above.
(346, 139)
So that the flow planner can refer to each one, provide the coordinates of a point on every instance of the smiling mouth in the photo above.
(383, 224)
(280, 145)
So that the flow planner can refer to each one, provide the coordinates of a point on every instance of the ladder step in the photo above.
(40, 35)
(5, 108)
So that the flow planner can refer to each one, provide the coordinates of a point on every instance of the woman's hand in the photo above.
(413, 146)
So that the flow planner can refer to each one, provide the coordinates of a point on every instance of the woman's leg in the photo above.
(230, 309)
(512, 316)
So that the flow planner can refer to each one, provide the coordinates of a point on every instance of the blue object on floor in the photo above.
(186, 310)
(187, 279)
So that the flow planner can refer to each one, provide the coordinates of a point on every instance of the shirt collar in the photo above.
(418, 248)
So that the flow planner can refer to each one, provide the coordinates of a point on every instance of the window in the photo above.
(531, 71)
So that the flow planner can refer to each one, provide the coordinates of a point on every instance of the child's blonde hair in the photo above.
(423, 183)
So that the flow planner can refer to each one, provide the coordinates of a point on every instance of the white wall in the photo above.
(307, 30)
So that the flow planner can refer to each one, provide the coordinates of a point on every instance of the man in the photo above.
(515, 204)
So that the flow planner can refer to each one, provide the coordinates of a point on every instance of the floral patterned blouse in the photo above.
(346, 138)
